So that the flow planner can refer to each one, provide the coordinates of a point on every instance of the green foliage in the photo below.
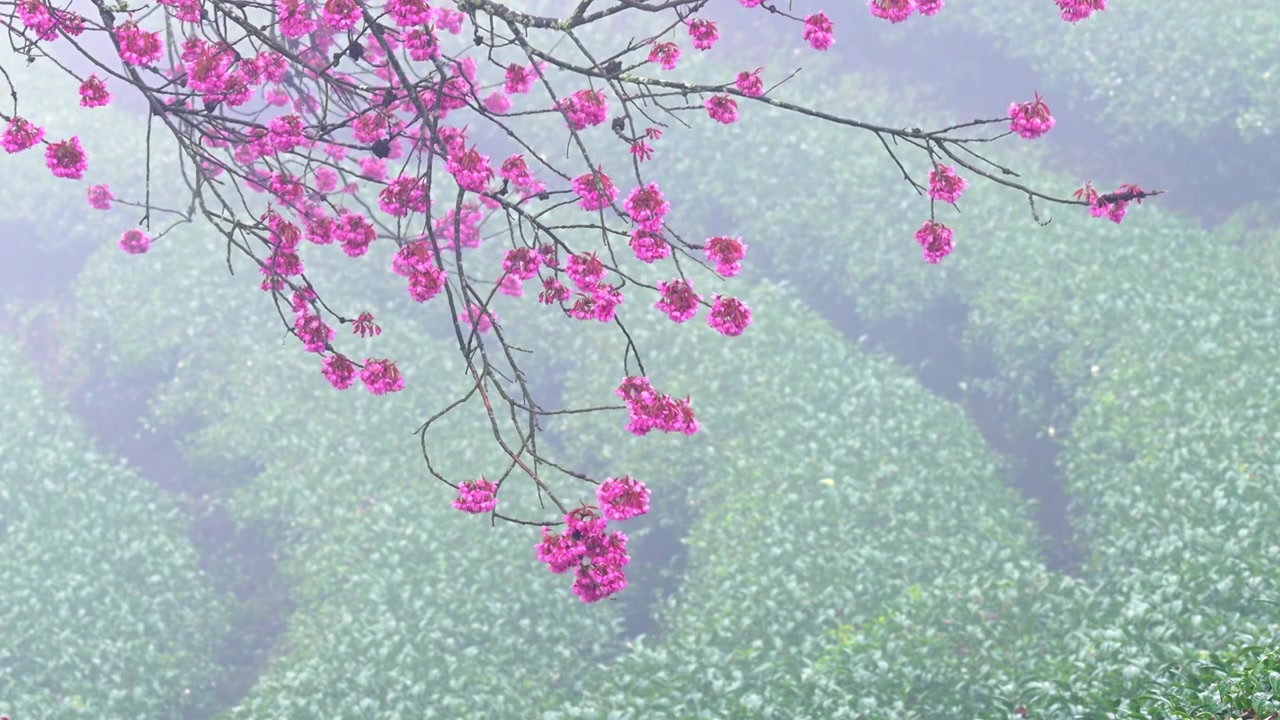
(972, 644)
(404, 605)
(1147, 66)
(855, 551)
(1172, 468)
(1241, 682)
(1044, 302)
(828, 482)
(105, 611)
(1173, 461)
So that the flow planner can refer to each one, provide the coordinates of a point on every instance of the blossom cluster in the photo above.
(310, 135)
(896, 11)
(1114, 205)
(1031, 119)
(1074, 11)
(648, 410)
(595, 554)
(477, 496)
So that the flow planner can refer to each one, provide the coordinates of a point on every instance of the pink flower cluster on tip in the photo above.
(585, 108)
(726, 253)
(594, 193)
(415, 261)
(295, 18)
(521, 263)
(649, 246)
(945, 185)
(457, 90)
(1114, 205)
(665, 55)
(516, 171)
(450, 20)
(497, 102)
(381, 376)
(476, 496)
(284, 133)
(641, 148)
(422, 44)
(471, 170)
(585, 270)
(409, 13)
(374, 125)
(722, 108)
(554, 291)
(100, 197)
(364, 325)
(217, 75)
(599, 303)
(354, 232)
(648, 410)
(1030, 119)
(46, 21)
(1074, 11)
(597, 300)
(818, 31)
(93, 93)
(622, 498)
(703, 33)
(895, 11)
(311, 329)
(596, 556)
(283, 261)
(339, 371)
(729, 316)
(464, 230)
(135, 242)
(520, 78)
(183, 10)
(678, 300)
(20, 135)
(402, 196)
(66, 159)
(341, 14)
(137, 46)
(749, 83)
(647, 207)
(935, 241)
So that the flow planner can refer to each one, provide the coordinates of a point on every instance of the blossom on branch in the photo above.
(333, 115)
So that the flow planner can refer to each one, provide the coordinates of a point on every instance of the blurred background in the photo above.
(1037, 480)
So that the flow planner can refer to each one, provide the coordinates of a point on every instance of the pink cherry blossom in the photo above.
(66, 159)
(135, 242)
(729, 316)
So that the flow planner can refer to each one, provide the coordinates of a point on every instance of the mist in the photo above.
(1038, 479)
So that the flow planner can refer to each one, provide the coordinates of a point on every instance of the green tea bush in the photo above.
(1042, 302)
(855, 551)
(1173, 462)
(1146, 67)
(106, 612)
(826, 481)
(403, 604)
(1241, 682)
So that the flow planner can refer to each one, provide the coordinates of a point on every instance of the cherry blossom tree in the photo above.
(408, 122)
